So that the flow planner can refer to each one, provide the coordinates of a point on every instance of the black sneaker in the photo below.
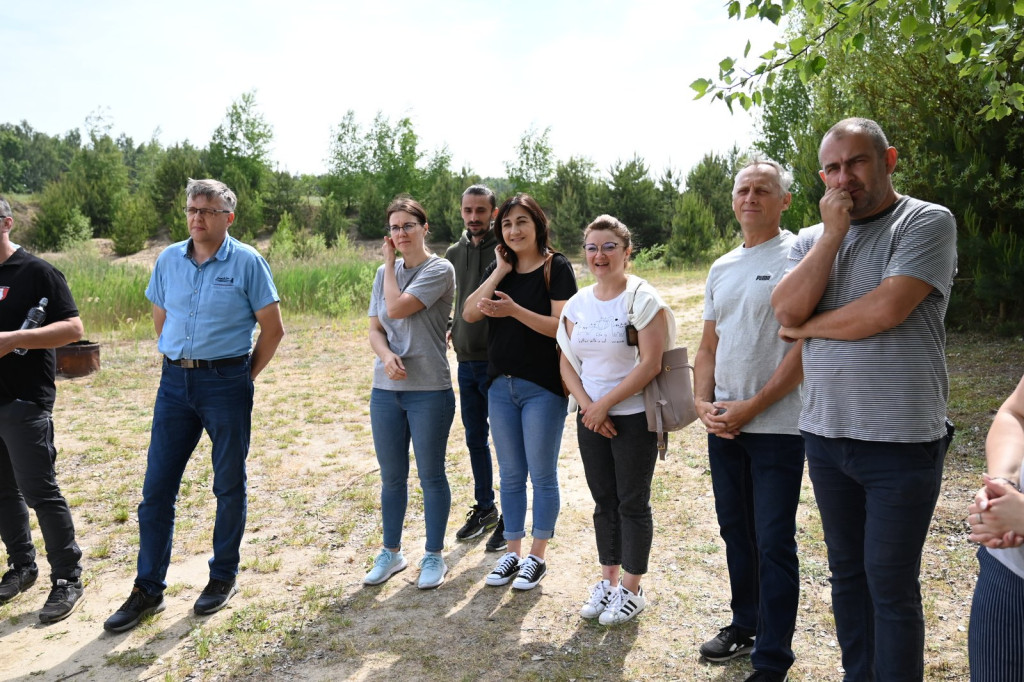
(16, 580)
(730, 642)
(215, 596)
(506, 569)
(139, 605)
(497, 542)
(531, 571)
(477, 521)
(767, 676)
(64, 598)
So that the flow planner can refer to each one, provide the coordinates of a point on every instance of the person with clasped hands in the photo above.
(209, 293)
(996, 636)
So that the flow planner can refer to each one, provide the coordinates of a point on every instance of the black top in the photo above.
(515, 349)
(24, 279)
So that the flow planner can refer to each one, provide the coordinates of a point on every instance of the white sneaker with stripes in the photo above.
(623, 606)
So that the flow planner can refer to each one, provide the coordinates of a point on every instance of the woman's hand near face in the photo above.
(502, 265)
(388, 251)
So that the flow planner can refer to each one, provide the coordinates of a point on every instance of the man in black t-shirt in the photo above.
(27, 453)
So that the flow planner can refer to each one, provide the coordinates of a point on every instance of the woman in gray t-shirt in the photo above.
(412, 397)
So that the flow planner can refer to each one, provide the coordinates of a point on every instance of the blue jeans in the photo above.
(424, 418)
(876, 501)
(473, 381)
(756, 478)
(188, 401)
(28, 479)
(619, 472)
(527, 423)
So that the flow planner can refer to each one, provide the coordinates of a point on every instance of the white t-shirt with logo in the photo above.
(599, 342)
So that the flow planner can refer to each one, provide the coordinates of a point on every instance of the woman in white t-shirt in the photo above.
(997, 522)
(606, 363)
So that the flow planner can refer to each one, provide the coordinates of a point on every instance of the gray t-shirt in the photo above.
(738, 299)
(891, 387)
(419, 338)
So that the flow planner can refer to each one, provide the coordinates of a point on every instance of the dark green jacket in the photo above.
(470, 261)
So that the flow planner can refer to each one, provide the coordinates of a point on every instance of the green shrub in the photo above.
(59, 223)
(134, 221)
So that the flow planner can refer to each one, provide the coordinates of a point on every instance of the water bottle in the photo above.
(34, 318)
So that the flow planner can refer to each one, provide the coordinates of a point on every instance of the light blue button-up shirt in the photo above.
(210, 307)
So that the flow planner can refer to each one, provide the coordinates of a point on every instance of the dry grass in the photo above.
(314, 527)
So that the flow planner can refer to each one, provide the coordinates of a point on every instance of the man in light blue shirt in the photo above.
(209, 293)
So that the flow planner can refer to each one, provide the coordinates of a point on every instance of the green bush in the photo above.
(134, 221)
(59, 223)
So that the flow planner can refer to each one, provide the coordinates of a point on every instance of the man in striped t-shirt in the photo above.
(867, 290)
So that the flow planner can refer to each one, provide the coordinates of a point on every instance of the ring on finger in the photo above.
(980, 520)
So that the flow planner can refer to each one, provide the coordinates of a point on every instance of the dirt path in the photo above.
(314, 527)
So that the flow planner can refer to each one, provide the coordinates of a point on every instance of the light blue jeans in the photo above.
(526, 426)
(424, 418)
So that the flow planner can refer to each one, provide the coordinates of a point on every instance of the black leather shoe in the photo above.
(215, 596)
(139, 605)
(17, 580)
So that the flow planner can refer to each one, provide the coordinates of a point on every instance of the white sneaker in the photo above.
(506, 569)
(623, 606)
(600, 594)
(385, 565)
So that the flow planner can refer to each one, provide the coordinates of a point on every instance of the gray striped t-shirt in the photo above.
(893, 386)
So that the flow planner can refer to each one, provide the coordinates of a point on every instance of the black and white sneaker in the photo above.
(506, 569)
(623, 606)
(477, 521)
(730, 642)
(531, 571)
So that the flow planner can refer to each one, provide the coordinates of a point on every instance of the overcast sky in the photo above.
(610, 78)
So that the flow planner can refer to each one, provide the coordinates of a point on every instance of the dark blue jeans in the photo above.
(756, 478)
(28, 479)
(188, 401)
(473, 383)
(619, 472)
(876, 502)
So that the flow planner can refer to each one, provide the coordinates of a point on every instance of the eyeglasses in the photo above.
(607, 247)
(407, 228)
(205, 212)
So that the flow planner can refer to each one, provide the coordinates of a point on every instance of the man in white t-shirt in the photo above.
(747, 395)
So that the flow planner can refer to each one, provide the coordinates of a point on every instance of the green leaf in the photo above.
(746, 50)
(726, 64)
(751, 11)
(817, 63)
(797, 44)
(1018, 8)
(858, 40)
(908, 25)
(701, 85)
(955, 57)
(734, 9)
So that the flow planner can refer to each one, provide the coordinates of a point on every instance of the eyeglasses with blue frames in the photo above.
(393, 230)
(191, 211)
(607, 247)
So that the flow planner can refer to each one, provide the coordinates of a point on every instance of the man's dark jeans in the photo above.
(28, 479)
(473, 384)
(756, 478)
(619, 472)
(189, 401)
(876, 501)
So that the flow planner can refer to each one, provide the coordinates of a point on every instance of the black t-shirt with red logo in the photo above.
(24, 279)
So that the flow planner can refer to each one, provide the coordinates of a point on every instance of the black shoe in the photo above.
(215, 596)
(767, 676)
(730, 642)
(16, 580)
(531, 572)
(139, 605)
(477, 521)
(64, 598)
(497, 542)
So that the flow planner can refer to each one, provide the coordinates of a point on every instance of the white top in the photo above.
(599, 342)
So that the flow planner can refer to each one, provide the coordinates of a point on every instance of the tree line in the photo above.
(102, 186)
